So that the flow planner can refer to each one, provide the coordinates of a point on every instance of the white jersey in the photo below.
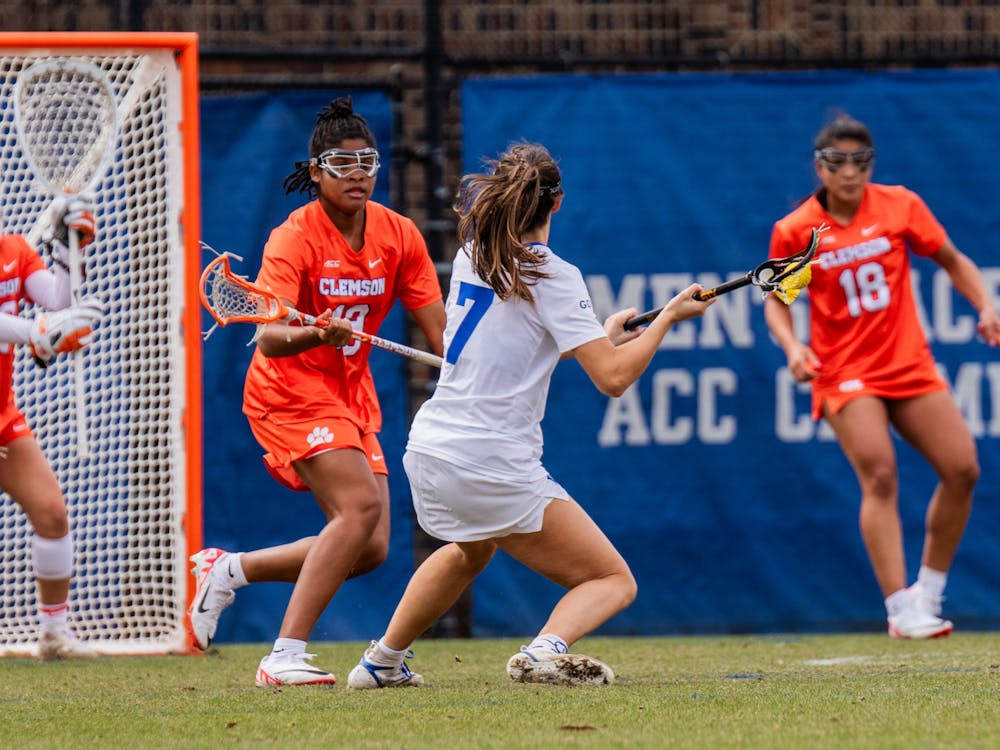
(487, 410)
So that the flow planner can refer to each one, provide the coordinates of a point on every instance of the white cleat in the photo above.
(558, 669)
(62, 643)
(211, 595)
(367, 675)
(911, 623)
(278, 670)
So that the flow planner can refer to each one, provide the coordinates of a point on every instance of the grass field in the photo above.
(837, 691)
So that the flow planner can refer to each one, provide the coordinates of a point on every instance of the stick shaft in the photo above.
(79, 393)
(648, 317)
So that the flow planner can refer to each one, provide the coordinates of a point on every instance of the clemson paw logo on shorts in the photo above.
(319, 435)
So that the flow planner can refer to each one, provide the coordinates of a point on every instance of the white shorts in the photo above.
(457, 505)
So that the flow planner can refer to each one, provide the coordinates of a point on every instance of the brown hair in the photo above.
(499, 208)
(843, 128)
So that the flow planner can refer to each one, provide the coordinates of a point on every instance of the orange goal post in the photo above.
(135, 498)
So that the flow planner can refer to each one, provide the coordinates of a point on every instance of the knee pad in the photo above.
(52, 558)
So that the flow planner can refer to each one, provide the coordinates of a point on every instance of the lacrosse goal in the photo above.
(135, 502)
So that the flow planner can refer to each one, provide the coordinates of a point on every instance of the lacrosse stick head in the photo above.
(787, 277)
(66, 118)
(233, 299)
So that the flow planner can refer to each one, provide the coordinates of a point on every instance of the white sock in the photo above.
(387, 657)
(232, 571)
(549, 643)
(288, 647)
(52, 616)
(932, 581)
(897, 602)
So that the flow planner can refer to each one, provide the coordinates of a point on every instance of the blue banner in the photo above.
(735, 510)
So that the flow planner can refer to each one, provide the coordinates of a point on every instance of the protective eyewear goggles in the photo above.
(834, 159)
(340, 163)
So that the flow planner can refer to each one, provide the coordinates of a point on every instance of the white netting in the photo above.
(64, 111)
(228, 301)
(127, 500)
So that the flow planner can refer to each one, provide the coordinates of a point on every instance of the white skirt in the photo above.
(455, 504)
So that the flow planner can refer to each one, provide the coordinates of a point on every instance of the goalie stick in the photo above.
(231, 298)
(66, 121)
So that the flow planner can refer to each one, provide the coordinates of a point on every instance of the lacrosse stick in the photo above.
(784, 277)
(231, 298)
(66, 120)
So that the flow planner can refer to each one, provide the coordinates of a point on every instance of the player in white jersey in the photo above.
(474, 457)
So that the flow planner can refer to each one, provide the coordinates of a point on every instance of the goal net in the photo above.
(134, 502)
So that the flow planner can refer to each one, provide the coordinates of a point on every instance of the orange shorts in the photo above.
(286, 442)
(919, 381)
(13, 425)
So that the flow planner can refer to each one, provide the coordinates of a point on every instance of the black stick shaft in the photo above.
(647, 317)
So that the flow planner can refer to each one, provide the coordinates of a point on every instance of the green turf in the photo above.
(843, 691)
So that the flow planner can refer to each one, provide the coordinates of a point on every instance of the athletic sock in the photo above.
(932, 581)
(388, 657)
(288, 647)
(897, 602)
(548, 643)
(52, 616)
(232, 571)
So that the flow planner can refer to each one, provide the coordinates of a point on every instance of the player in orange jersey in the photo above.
(25, 473)
(871, 367)
(309, 394)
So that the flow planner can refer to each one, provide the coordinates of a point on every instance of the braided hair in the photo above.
(335, 123)
(499, 208)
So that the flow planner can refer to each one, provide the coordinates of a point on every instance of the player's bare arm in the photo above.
(431, 320)
(967, 279)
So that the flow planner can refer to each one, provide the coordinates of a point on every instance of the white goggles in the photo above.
(339, 163)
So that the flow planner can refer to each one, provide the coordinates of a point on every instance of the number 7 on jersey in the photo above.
(481, 298)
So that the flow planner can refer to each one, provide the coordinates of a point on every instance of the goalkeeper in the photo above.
(25, 473)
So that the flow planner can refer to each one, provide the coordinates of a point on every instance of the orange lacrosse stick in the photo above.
(231, 298)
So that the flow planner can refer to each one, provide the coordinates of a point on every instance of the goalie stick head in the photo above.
(66, 119)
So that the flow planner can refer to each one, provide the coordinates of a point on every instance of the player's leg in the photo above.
(25, 474)
(345, 488)
(282, 562)
(219, 573)
(933, 424)
(432, 590)
(862, 429)
(570, 550)
(376, 549)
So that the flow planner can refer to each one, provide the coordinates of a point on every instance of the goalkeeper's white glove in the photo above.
(73, 212)
(64, 330)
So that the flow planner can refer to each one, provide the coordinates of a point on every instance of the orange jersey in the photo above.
(864, 327)
(17, 262)
(307, 261)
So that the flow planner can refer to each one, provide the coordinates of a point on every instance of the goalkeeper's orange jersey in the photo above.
(17, 262)
(308, 261)
(864, 326)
